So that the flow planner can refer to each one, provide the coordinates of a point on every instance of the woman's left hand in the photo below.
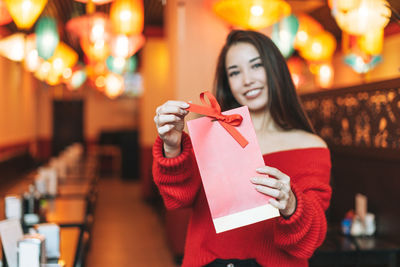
(278, 188)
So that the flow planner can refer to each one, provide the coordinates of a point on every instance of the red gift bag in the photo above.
(226, 162)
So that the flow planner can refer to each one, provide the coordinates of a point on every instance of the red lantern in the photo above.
(5, 16)
(92, 27)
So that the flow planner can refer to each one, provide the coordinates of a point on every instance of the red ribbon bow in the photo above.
(214, 110)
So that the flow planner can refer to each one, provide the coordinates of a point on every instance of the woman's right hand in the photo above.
(170, 122)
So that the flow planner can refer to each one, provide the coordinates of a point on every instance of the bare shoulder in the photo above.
(305, 139)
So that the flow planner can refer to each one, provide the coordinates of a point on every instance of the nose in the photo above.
(247, 79)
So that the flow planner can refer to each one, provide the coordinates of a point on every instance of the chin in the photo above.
(255, 106)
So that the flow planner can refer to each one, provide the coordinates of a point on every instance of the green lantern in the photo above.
(284, 33)
(131, 64)
(359, 65)
(116, 64)
(47, 37)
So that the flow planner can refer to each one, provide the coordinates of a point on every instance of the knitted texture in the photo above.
(274, 242)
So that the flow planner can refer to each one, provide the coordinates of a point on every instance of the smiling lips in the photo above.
(253, 93)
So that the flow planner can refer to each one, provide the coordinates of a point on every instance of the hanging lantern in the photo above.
(98, 51)
(116, 64)
(131, 64)
(127, 16)
(324, 75)
(369, 15)
(343, 5)
(284, 33)
(308, 27)
(5, 16)
(320, 47)
(126, 46)
(64, 57)
(77, 78)
(360, 64)
(47, 37)
(114, 85)
(372, 42)
(32, 60)
(13, 47)
(25, 12)
(121, 65)
(251, 14)
(43, 70)
(96, 2)
(295, 65)
(94, 27)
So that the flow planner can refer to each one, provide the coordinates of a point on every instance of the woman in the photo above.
(252, 72)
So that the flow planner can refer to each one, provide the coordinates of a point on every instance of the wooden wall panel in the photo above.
(362, 128)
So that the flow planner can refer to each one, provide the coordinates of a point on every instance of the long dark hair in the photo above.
(283, 101)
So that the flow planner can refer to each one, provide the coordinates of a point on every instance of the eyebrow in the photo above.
(250, 61)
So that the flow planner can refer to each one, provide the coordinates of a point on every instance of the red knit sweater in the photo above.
(275, 242)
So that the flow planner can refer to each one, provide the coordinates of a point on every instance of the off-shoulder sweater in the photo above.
(274, 242)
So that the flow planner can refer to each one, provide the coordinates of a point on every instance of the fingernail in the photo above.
(259, 169)
(253, 179)
(185, 105)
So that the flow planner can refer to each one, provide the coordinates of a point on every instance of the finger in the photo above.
(278, 204)
(273, 172)
(170, 109)
(167, 119)
(271, 182)
(165, 129)
(180, 104)
(268, 191)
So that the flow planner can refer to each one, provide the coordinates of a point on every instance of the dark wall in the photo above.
(67, 124)
(362, 128)
(128, 142)
(12, 169)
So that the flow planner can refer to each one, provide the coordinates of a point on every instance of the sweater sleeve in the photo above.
(305, 230)
(178, 179)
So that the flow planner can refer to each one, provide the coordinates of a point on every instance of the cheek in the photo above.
(234, 84)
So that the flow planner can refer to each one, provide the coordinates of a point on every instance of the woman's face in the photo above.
(246, 76)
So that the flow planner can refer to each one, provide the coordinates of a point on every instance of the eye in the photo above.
(233, 73)
(257, 65)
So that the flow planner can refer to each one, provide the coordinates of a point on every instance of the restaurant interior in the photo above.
(80, 83)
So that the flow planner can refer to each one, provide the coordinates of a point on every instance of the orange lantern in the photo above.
(25, 12)
(320, 47)
(251, 14)
(308, 27)
(324, 75)
(372, 42)
(5, 16)
(127, 16)
(63, 57)
(43, 70)
(98, 51)
(369, 15)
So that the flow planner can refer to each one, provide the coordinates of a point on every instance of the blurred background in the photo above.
(94, 71)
